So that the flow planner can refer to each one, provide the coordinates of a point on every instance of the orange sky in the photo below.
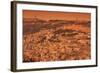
(49, 15)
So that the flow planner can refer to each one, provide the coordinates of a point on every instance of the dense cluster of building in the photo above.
(56, 40)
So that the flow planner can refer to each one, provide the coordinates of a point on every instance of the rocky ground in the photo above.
(56, 40)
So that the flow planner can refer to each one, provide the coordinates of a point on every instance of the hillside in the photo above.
(56, 40)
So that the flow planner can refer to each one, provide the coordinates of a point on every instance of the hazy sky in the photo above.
(49, 15)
